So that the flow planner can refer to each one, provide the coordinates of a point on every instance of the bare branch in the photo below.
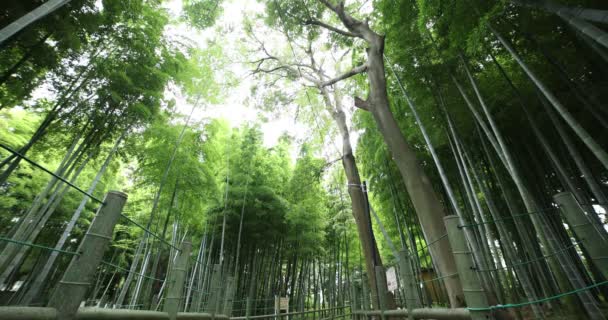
(355, 71)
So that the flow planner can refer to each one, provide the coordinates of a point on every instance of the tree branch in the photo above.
(332, 28)
(361, 104)
(355, 71)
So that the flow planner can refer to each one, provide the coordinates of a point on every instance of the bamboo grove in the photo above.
(440, 156)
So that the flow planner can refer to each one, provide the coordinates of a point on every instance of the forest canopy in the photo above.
(308, 149)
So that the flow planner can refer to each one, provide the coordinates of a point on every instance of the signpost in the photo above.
(391, 279)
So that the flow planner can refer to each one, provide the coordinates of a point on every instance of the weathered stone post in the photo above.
(355, 303)
(594, 240)
(248, 308)
(474, 294)
(382, 291)
(229, 296)
(214, 290)
(77, 278)
(177, 280)
(406, 273)
(365, 296)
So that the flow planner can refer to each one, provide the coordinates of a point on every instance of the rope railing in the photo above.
(507, 218)
(253, 300)
(33, 245)
(527, 303)
(150, 232)
(432, 242)
(279, 315)
(35, 164)
(129, 271)
(440, 278)
(532, 260)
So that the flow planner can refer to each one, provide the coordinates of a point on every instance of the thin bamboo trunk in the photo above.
(8, 73)
(29, 18)
(36, 286)
(595, 148)
(570, 274)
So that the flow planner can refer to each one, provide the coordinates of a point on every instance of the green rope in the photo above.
(432, 242)
(507, 218)
(38, 246)
(439, 278)
(150, 232)
(522, 304)
(532, 260)
(127, 270)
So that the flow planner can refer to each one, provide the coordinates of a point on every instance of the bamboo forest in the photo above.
(303, 159)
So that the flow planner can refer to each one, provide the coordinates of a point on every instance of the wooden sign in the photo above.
(281, 304)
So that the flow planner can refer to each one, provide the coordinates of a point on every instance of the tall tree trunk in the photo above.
(426, 202)
(358, 202)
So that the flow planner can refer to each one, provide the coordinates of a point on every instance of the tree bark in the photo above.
(426, 202)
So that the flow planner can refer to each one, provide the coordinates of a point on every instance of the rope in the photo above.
(150, 232)
(38, 246)
(439, 278)
(532, 260)
(49, 172)
(129, 271)
(432, 242)
(507, 218)
(522, 304)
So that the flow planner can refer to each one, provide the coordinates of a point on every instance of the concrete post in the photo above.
(355, 303)
(406, 272)
(276, 306)
(474, 294)
(72, 288)
(365, 297)
(381, 286)
(214, 292)
(248, 308)
(229, 296)
(594, 240)
(177, 280)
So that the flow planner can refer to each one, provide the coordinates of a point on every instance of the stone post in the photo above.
(382, 292)
(586, 230)
(248, 308)
(474, 294)
(365, 296)
(355, 303)
(229, 296)
(177, 280)
(214, 290)
(406, 273)
(77, 278)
